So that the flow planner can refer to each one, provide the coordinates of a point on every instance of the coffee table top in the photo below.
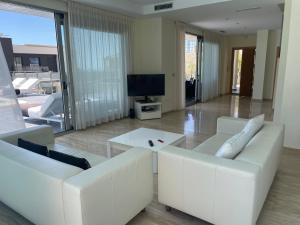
(141, 136)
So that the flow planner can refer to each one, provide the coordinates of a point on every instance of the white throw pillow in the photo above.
(234, 145)
(254, 125)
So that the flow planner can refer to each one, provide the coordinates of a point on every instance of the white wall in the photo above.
(273, 44)
(236, 41)
(147, 46)
(287, 106)
(155, 52)
(260, 64)
(169, 63)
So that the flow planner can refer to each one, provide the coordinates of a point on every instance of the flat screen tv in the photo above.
(146, 84)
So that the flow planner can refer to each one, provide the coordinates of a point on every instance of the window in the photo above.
(39, 88)
(18, 62)
(190, 46)
(190, 56)
(34, 61)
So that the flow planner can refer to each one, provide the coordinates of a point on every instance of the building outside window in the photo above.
(34, 63)
(18, 63)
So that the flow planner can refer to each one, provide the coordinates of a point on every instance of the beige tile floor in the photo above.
(198, 123)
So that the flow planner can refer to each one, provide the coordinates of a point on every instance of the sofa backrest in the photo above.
(42, 135)
(111, 193)
(31, 184)
(262, 145)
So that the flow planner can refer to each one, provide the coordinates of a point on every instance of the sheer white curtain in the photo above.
(11, 116)
(100, 55)
(210, 70)
(180, 62)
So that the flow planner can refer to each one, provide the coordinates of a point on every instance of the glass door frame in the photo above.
(199, 68)
(199, 60)
(62, 46)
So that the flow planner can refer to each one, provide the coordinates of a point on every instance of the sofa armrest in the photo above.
(112, 192)
(230, 125)
(220, 191)
(42, 135)
(31, 184)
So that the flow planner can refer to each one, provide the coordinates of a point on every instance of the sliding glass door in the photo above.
(34, 46)
(193, 62)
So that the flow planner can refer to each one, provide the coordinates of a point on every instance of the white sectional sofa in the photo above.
(48, 192)
(218, 190)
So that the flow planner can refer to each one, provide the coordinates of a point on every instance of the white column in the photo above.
(260, 64)
(287, 105)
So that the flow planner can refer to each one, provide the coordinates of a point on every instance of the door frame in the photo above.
(232, 62)
(199, 56)
(59, 21)
(198, 94)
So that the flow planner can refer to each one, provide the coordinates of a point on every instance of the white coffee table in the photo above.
(140, 138)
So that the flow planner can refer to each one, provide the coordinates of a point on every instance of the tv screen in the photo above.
(146, 84)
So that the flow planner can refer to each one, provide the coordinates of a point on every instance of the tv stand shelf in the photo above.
(147, 111)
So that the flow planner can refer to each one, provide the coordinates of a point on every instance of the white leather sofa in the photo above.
(218, 190)
(48, 192)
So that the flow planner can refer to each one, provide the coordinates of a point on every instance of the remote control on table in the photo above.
(151, 143)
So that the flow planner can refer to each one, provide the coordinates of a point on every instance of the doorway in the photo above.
(242, 71)
(193, 59)
(33, 45)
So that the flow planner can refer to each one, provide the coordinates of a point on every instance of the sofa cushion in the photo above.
(69, 159)
(33, 147)
(254, 125)
(93, 159)
(212, 145)
(233, 146)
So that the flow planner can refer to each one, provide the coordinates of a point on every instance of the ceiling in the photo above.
(235, 17)
(230, 16)
(25, 10)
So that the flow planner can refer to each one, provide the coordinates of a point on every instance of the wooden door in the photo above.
(247, 71)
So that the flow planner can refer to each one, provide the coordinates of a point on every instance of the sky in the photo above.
(27, 29)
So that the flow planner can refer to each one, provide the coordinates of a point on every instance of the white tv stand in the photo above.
(147, 110)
